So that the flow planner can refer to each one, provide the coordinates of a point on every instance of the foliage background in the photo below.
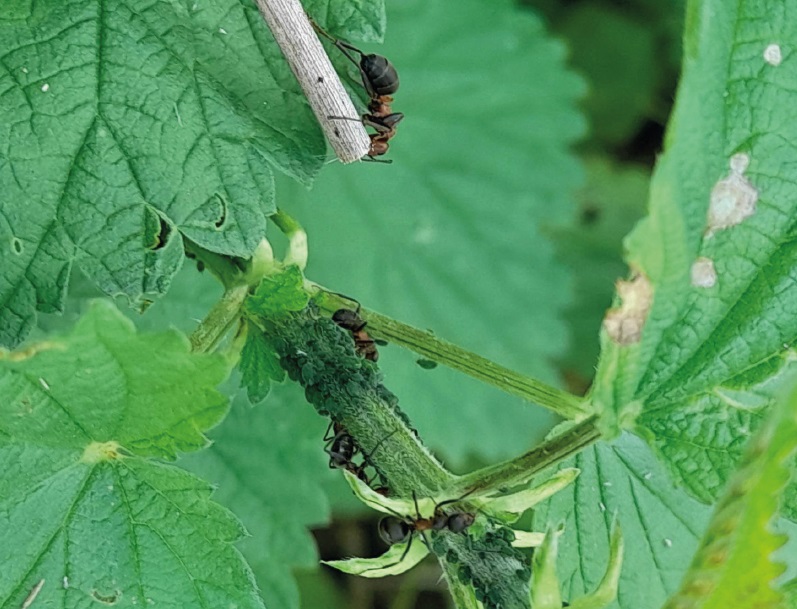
(531, 131)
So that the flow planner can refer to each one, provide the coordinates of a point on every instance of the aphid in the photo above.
(363, 343)
(398, 528)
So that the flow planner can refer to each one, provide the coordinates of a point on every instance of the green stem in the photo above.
(443, 352)
(518, 470)
(219, 319)
(297, 238)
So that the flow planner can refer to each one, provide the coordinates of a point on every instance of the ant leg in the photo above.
(457, 500)
(346, 118)
(327, 437)
(378, 444)
(417, 509)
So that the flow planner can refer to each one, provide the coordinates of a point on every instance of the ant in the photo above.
(398, 529)
(351, 321)
(342, 448)
(380, 80)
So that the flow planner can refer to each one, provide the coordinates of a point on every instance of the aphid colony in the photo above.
(342, 448)
(380, 80)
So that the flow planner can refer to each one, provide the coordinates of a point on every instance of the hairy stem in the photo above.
(219, 320)
(443, 352)
(515, 471)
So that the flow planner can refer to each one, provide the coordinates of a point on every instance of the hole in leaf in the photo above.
(157, 230)
(107, 599)
(223, 217)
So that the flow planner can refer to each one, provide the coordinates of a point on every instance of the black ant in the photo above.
(342, 448)
(398, 529)
(380, 80)
(363, 343)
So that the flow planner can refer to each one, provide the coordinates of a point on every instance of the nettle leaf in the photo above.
(734, 566)
(259, 365)
(448, 237)
(269, 465)
(279, 293)
(661, 523)
(127, 128)
(353, 20)
(85, 512)
(703, 336)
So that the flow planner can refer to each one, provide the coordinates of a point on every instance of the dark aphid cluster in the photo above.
(495, 544)
(380, 80)
(352, 322)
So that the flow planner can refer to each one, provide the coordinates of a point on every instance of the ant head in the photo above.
(394, 530)
(337, 461)
(460, 521)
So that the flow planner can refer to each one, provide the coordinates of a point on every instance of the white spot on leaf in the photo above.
(45, 87)
(624, 324)
(65, 582)
(668, 543)
(222, 30)
(24, 70)
(704, 275)
(733, 198)
(773, 55)
(44, 384)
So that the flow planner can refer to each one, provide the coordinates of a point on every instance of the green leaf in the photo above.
(395, 561)
(353, 20)
(692, 368)
(259, 365)
(734, 565)
(544, 589)
(268, 464)
(105, 383)
(448, 236)
(125, 130)
(84, 510)
(661, 523)
(279, 293)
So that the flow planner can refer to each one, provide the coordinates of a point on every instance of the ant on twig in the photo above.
(380, 80)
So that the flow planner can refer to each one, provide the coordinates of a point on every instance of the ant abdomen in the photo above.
(381, 74)
(394, 530)
(460, 521)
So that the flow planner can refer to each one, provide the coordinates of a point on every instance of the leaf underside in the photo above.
(128, 127)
